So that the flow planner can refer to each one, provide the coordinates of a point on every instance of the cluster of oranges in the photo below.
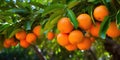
(10, 42)
(69, 38)
(25, 38)
(72, 39)
(99, 14)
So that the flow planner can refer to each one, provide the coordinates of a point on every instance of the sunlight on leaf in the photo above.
(72, 17)
(118, 19)
(104, 26)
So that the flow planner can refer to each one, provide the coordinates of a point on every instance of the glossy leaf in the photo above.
(53, 8)
(72, 17)
(13, 32)
(57, 13)
(9, 30)
(50, 24)
(28, 25)
(90, 11)
(104, 26)
(3, 27)
(118, 19)
(72, 4)
(54, 22)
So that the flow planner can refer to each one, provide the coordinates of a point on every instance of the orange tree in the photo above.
(83, 29)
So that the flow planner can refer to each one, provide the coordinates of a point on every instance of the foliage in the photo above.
(18, 53)
(26, 14)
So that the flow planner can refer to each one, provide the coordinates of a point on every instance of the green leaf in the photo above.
(55, 20)
(53, 8)
(28, 25)
(14, 10)
(91, 0)
(118, 19)
(57, 13)
(8, 31)
(50, 24)
(90, 12)
(47, 24)
(72, 17)
(13, 32)
(3, 27)
(72, 4)
(104, 26)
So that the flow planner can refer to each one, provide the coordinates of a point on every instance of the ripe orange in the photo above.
(14, 43)
(100, 12)
(62, 39)
(21, 35)
(7, 42)
(85, 44)
(31, 37)
(6, 45)
(113, 30)
(24, 43)
(71, 47)
(85, 21)
(36, 30)
(64, 25)
(94, 30)
(75, 37)
(50, 35)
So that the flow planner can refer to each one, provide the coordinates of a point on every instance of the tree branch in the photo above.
(93, 55)
(38, 52)
(113, 48)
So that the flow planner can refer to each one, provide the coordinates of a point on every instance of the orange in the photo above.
(36, 30)
(21, 35)
(6, 45)
(14, 43)
(71, 47)
(100, 12)
(7, 42)
(75, 37)
(85, 44)
(31, 37)
(94, 30)
(113, 31)
(64, 25)
(92, 39)
(24, 44)
(50, 35)
(62, 39)
(84, 21)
